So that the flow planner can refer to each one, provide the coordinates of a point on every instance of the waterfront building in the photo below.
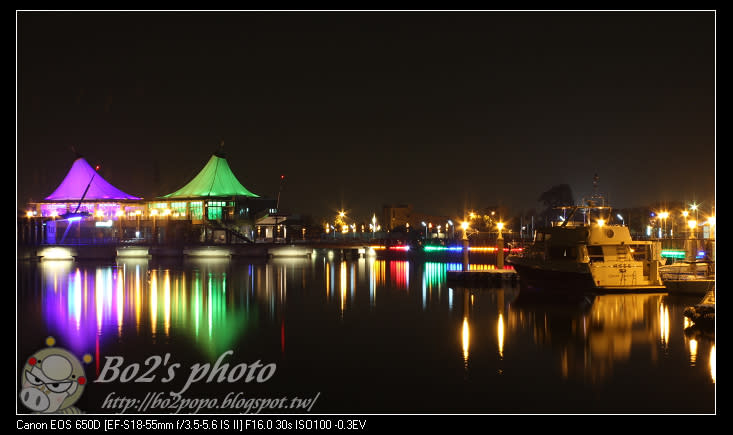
(85, 191)
(227, 211)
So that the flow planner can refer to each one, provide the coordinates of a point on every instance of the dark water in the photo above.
(371, 336)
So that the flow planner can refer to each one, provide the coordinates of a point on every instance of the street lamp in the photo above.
(500, 226)
(664, 215)
(374, 226)
(426, 229)
(692, 223)
(623, 223)
(694, 207)
(452, 228)
(464, 226)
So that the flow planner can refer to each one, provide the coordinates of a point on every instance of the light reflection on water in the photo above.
(215, 304)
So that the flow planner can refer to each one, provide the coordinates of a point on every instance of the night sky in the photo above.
(443, 110)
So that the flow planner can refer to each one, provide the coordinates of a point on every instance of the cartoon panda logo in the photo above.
(52, 380)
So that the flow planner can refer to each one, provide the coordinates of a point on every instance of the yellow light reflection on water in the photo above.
(167, 301)
(465, 337)
(693, 351)
(664, 324)
(328, 281)
(138, 298)
(500, 334)
(712, 363)
(153, 300)
(343, 285)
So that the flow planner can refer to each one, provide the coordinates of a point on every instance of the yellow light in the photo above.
(99, 213)
(54, 213)
(685, 213)
(664, 215)
(712, 363)
(472, 215)
(711, 221)
(500, 225)
(693, 351)
(166, 212)
(342, 214)
(464, 225)
(601, 222)
(465, 336)
(138, 212)
(500, 334)
(119, 213)
(693, 207)
(29, 214)
(692, 223)
(153, 212)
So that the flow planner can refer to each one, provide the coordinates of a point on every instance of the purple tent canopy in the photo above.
(77, 180)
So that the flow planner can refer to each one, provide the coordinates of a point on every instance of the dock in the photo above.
(481, 278)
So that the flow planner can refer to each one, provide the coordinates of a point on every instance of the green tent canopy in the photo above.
(216, 179)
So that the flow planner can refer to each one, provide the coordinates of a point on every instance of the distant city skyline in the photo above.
(446, 111)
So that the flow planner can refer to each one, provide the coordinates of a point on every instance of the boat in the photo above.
(703, 313)
(688, 277)
(591, 256)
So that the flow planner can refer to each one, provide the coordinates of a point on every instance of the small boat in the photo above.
(688, 277)
(703, 314)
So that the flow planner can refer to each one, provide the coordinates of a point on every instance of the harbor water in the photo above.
(359, 336)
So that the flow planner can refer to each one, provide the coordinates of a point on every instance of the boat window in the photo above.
(639, 252)
(563, 252)
(595, 253)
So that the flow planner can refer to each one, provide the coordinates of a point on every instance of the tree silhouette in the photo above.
(557, 196)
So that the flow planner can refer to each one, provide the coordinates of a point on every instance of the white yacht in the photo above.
(690, 277)
(592, 256)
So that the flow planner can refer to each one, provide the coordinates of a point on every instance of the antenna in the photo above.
(282, 181)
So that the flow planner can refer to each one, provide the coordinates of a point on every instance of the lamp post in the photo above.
(426, 229)
(374, 226)
(500, 247)
(694, 207)
(623, 223)
(464, 225)
(664, 215)
(692, 223)
(452, 229)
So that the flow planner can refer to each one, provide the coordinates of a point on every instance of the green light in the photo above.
(673, 253)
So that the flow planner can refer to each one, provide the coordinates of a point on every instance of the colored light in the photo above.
(78, 178)
(669, 253)
(215, 179)
(692, 223)
(400, 248)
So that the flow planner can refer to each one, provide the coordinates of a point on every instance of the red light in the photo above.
(96, 168)
(82, 380)
(32, 361)
(282, 177)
